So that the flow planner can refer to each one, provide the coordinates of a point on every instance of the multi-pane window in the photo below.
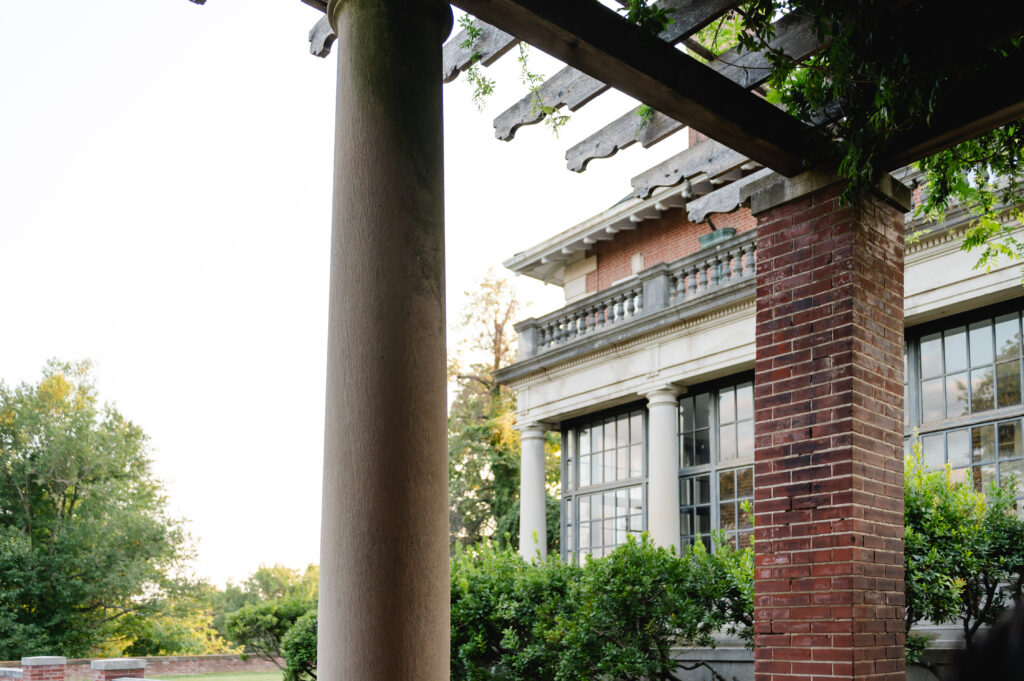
(603, 483)
(963, 395)
(716, 439)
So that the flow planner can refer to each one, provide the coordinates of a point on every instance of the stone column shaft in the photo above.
(663, 466)
(533, 525)
(384, 539)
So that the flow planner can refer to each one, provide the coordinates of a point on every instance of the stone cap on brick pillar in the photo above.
(118, 663)
(773, 190)
(44, 661)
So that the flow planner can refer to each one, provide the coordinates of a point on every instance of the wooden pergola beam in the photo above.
(598, 42)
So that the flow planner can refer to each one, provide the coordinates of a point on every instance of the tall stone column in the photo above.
(663, 466)
(533, 525)
(384, 539)
(828, 400)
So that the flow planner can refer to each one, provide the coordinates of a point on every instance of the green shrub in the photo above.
(299, 648)
(963, 552)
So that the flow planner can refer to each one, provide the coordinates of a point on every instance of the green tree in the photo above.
(266, 583)
(85, 539)
(483, 446)
(260, 628)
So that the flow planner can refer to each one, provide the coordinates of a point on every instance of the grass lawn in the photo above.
(226, 676)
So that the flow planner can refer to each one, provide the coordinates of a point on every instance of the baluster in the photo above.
(727, 275)
(716, 271)
(638, 301)
(748, 259)
(627, 305)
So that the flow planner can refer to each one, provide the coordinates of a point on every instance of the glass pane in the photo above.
(620, 531)
(956, 349)
(727, 442)
(596, 533)
(636, 523)
(981, 343)
(596, 439)
(982, 390)
(584, 509)
(983, 445)
(595, 506)
(636, 499)
(702, 453)
(983, 476)
(584, 535)
(596, 469)
(622, 502)
(686, 453)
(685, 492)
(931, 355)
(956, 395)
(609, 466)
(745, 482)
(1008, 383)
(1010, 446)
(622, 432)
(570, 468)
(959, 444)
(745, 522)
(623, 464)
(1007, 337)
(636, 461)
(745, 439)
(932, 406)
(744, 539)
(609, 505)
(609, 434)
(1011, 468)
(702, 489)
(584, 441)
(726, 406)
(703, 519)
(726, 485)
(745, 401)
(701, 409)
(686, 522)
(934, 447)
(686, 415)
(727, 516)
(960, 474)
(636, 428)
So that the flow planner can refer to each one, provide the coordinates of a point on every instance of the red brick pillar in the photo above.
(43, 668)
(828, 398)
(120, 668)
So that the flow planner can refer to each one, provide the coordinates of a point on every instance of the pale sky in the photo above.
(165, 192)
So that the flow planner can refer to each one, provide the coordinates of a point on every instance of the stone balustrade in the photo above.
(665, 285)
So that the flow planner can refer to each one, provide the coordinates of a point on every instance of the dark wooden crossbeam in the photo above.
(600, 43)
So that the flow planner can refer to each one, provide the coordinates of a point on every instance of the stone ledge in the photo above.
(44, 661)
(118, 663)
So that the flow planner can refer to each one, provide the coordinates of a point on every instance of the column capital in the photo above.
(532, 429)
(442, 10)
(665, 394)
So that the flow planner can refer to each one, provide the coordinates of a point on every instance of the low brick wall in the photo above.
(159, 667)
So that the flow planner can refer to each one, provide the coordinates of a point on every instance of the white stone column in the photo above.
(663, 466)
(384, 535)
(533, 526)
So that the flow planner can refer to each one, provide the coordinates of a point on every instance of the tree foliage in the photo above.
(85, 539)
(299, 648)
(483, 446)
(261, 628)
(963, 552)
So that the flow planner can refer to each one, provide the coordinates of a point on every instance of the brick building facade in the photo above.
(786, 364)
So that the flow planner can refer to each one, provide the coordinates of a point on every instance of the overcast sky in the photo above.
(165, 192)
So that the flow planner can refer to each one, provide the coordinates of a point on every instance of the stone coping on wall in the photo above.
(44, 661)
(118, 663)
